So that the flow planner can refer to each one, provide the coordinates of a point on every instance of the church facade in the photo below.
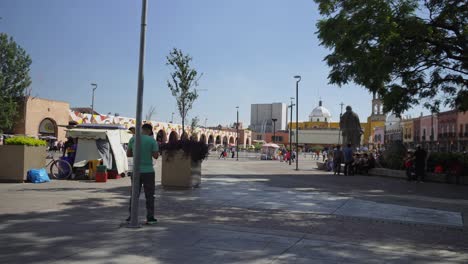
(320, 130)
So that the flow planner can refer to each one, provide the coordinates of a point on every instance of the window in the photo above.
(318, 120)
(259, 137)
(325, 119)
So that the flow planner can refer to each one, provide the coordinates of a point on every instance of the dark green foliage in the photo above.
(196, 150)
(448, 161)
(14, 79)
(183, 79)
(410, 52)
(393, 156)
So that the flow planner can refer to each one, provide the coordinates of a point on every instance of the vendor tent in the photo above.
(96, 144)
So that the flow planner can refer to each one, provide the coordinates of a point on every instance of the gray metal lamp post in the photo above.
(139, 109)
(237, 133)
(274, 129)
(290, 130)
(92, 100)
(298, 78)
(172, 118)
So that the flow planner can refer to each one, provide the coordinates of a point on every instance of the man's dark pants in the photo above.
(148, 182)
(420, 171)
(348, 168)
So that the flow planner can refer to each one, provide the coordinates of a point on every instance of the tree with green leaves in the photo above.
(14, 80)
(193, 125)
(183, 81)
(407, 51)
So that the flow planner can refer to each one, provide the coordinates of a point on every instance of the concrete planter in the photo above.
(16, 160)
(178, 170)
(431, 177)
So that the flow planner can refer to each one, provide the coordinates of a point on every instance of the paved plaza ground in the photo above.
(245, 211)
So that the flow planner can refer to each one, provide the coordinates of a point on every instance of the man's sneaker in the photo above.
(128, 219)
(151, 221)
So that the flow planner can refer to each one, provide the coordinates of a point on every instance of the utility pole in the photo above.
(139, 109)
(274, 129)
(298, 78)
(290, 130)
(237, 130)
(92, 100)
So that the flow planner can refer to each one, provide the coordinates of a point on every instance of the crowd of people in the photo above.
(354, 162)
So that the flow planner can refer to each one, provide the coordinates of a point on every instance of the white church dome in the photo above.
(392, 121)
(320, 114)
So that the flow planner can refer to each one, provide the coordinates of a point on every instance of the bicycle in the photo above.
(59, 169)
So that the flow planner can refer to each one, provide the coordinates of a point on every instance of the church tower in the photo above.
(377, 113)
(376, 119)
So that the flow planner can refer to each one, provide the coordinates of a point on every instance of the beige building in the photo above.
(317, 137)
(42, 117)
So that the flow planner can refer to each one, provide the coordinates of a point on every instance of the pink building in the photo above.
(447, 134)
(428, 131)
(379, 136)
(462, 124)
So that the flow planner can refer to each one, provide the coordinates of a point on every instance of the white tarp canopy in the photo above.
(269, 150)
(84, 133)
(87, 149)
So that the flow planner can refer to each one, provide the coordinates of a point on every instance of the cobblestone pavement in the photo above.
(244, 212)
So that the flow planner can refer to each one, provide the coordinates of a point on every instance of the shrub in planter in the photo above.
(20, 154)
(196, 150)
(26, 141)
(393, 156)
(448, 161)
(181, 163)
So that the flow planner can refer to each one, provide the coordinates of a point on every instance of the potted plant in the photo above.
(20, 154)
(181, 163)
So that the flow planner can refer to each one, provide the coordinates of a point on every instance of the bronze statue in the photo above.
(350, 128)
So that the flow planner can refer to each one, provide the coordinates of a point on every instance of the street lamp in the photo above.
(274, 129)
(172, 118)
(237, 136)
(92, 100)
(139, 109)
(298, 79)
(290, 130)
(206, 119)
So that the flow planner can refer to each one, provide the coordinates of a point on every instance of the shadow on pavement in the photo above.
(89, 230)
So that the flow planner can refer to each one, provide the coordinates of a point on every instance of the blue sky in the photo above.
(247, 50)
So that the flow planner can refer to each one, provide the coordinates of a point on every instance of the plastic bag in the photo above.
(38, 176)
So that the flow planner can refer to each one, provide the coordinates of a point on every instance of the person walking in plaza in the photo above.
(337, 159)
(149, 150)
(348, 159)
(420, 162)
(409, 166)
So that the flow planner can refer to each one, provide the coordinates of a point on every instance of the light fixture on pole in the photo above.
(92, 100)
(172, 118)
(298, 79)
(139, 109)
(290, 130)
(274, 129)
(237, 135)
